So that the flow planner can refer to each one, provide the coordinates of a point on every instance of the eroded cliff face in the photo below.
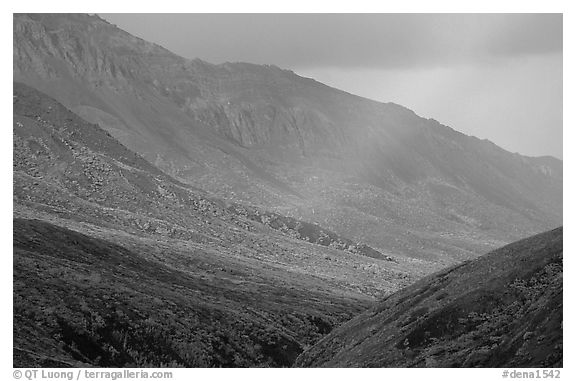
(266, 136)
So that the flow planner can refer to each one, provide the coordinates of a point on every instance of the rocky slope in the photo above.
(373, 172)
(65, 165)
(110, 252)
(503, 309)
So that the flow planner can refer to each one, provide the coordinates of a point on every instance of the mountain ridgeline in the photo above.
(264, 136)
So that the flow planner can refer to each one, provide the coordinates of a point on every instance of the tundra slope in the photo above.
(374, 172)
(110, 253)
(503, 309)
(83, 301)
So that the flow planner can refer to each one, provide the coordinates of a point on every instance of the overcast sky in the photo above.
(495, 76)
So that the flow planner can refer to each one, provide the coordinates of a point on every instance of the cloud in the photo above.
(350, 40)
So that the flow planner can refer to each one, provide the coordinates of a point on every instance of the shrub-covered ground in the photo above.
(79, 300)
(503, 309)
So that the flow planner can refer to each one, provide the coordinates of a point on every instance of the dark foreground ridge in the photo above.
(503, 309)
(82, 301)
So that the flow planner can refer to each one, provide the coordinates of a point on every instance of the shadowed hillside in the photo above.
(82, 301)
(503, 309)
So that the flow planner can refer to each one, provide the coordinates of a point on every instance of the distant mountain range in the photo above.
(264, 136)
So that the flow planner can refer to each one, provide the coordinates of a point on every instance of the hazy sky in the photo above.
(495, 76)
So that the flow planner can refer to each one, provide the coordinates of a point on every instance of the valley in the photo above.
(170, 212)
(94, 222)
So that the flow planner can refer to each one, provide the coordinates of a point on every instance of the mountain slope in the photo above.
(82, 301)
(503, 309)
(66, 167)
(261, 135)
(108, 250)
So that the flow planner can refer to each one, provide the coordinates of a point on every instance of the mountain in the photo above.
(503, 309)
(110, 253)
(376, 173)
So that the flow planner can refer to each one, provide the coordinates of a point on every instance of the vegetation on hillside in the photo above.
(503, 309)
(84, 301)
